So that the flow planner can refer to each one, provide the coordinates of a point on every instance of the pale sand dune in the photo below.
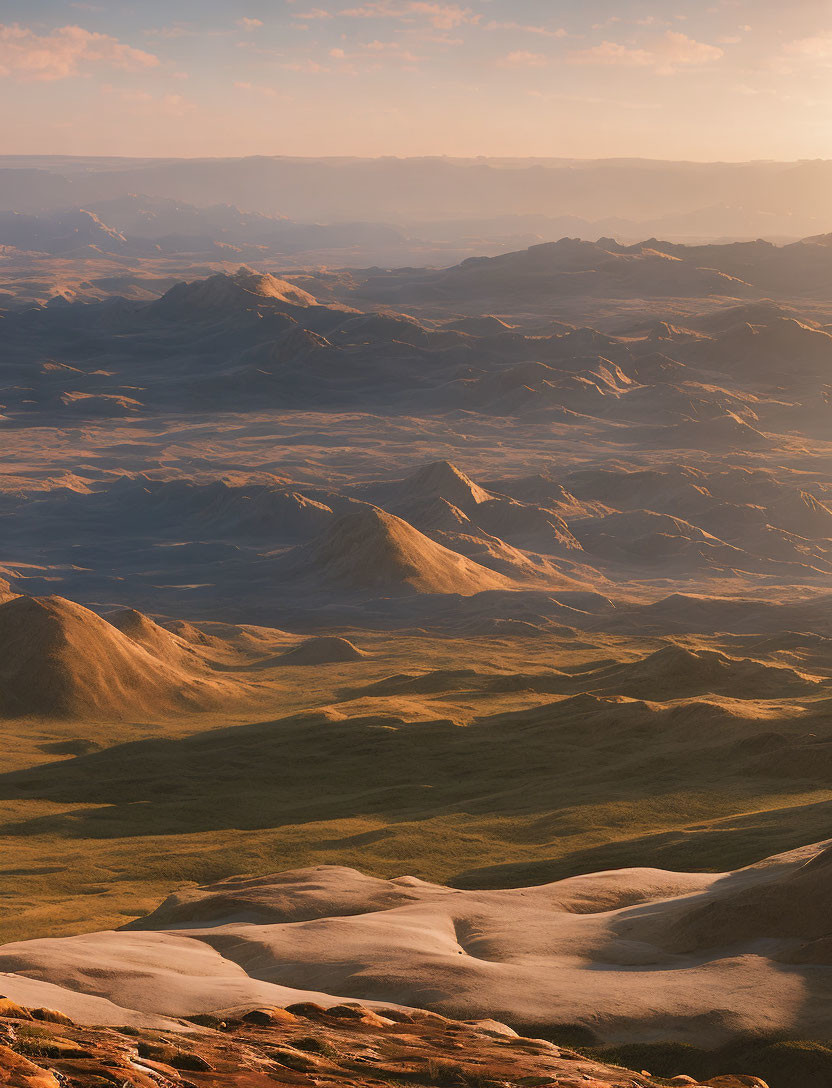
(116, 975)
(87, 1008)
(633, 954)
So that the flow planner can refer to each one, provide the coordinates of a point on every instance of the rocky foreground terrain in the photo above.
(303, 1045)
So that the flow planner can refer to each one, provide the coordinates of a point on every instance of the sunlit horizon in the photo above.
(733, 81)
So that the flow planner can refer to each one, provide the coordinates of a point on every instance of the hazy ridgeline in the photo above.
(396, 209)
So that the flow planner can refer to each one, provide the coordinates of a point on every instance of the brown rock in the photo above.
(52, 1016)
(18, 1072)
(174, 1057)
(373, 1020)
(206, 1020)
(191, 1062)
(735, 1080)
(55, 1046)
(364, 1016)
(296, 1059)
(401, 1016)
(537, 1044)
(312, 1044)
(268, 1015)
(425, 1016)
(585, 1082)
(308, 1009)
(10, 1010)
(347, 1012)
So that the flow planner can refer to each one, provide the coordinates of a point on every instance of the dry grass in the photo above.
(446, 786)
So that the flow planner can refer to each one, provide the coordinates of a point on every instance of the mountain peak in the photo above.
(244, 289)
(442, 479)
(60, 660)
(371, 550)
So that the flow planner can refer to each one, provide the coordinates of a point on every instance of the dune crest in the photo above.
(590, 950)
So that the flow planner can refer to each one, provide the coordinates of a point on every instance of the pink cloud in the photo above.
(259, 89)
(64, 52)
(521, 58)
(146, 104)
(444, 16)
(611, 53)
(673, 50)
(818, 47)
(676, 48)
(439, 15)
(545, 32)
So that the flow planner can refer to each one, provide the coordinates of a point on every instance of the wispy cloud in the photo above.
(260, 90)
(525, 28)
(607, 52)
(174, 30)
(817, 47)
(144, 102)
(363, 56)
(439, 15)
(394, 50)
(64, 52)
(312, 67)
(521, 58)
(249, 24)
(666, 55)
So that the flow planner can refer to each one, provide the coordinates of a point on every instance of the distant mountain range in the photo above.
(388, 203)
(608, 269)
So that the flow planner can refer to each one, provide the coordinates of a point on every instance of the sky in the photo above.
(729, 80)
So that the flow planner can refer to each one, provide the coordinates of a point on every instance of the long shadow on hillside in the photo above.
(583, 751)
(725, 844)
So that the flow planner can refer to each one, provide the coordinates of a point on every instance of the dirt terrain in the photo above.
(303, 1045)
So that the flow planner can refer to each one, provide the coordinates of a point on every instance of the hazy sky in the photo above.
(733, 79)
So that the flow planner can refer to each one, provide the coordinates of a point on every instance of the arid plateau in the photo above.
(451, 645)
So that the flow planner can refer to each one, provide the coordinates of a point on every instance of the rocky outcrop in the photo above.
(306, 1044)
